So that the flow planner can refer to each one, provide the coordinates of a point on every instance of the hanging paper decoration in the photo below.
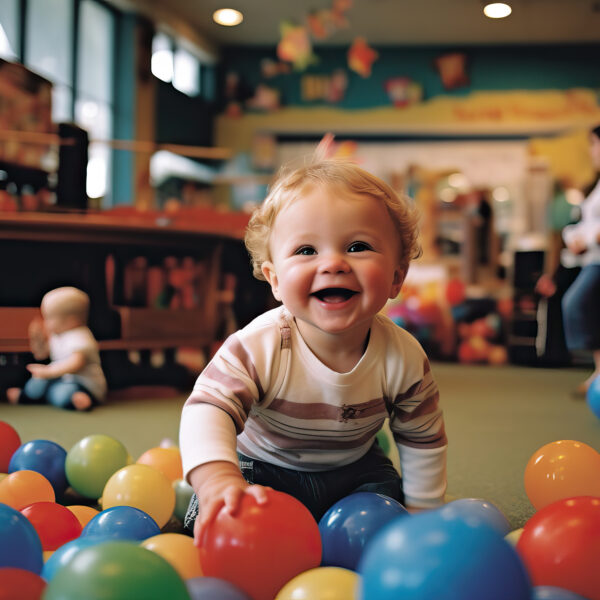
(361, 57)
(325, 22)
(270, 68)
(330, 88)
(403, 91)
(265, 99)
(452, 70)
(295, 46)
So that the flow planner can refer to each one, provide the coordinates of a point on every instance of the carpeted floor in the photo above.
(496, 418)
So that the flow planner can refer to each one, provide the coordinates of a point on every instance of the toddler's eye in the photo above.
(305, 251)
(359, 247)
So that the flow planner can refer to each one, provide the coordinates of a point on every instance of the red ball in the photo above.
(560, 546)
(19, 584)
(9, 442)
(55, 524)
(261, 547)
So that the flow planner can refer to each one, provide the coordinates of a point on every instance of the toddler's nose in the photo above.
(334, 263)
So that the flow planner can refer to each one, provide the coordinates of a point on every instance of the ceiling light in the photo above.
(497, 10)
(228, 17)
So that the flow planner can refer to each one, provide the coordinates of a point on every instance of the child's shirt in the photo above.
(291, 410)
(80, 339)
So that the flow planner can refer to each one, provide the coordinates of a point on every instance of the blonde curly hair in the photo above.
(291, 185)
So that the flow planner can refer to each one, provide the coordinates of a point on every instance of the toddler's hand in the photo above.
(40, 371)
(221, 486)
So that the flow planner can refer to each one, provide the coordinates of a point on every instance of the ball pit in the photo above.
(45, 457)
(19, 584)
(332, 583)
(123, 523)
(22, 488)
(55, 524)
(9, 442)
(21, 546)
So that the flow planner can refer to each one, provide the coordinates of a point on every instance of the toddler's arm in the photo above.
(38, 339)
(58, 368)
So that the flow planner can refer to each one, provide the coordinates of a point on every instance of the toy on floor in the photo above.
(350, 523)
(560, 546)
(209, 588)
(9, 442)
(261, 547)
(593, 396)
(475, 508)
(122, 523)
(54, 523)
(434, 555)
(562, 469)
(21, 546)
(20, 584)
(179, 550)
(22, 488)
(333, 583)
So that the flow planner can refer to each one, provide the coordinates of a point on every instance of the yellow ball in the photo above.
(322, 583)
(178, 550)
(142, 487)
(513, 537)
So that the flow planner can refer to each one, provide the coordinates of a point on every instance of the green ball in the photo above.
(91, 462)
(384, 442)
(183, 495)
(116, 571)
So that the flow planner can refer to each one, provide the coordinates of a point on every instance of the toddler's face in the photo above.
(334, 259)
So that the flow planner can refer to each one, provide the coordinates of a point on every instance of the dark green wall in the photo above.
(489, 68)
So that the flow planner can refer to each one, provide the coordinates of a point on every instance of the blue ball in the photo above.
(45, 457)
(65, 554)
(122, 523)
(479, 509)
(20, 544)
(436, 555)
(593, 396)
(549, 592)
(209, 588)
(351, 522)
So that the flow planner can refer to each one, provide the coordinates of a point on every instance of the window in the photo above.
(48, 50)
(174, 64)
(9, 29)
(93, 102)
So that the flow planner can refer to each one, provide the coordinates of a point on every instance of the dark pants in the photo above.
(319, 490)
(581, 310)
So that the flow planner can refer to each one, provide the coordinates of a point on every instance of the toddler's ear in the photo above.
(397, 282)
(268, 270)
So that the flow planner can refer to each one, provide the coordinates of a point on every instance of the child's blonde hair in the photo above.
(289, 186)
(67, 301)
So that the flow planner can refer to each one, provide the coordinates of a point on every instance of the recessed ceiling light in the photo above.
(497, 10)
(228, 17)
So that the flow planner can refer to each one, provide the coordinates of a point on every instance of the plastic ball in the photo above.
(45, 457)
(562, 469)
(9, 442)
(55, 524)
(560, 546)
(119, 571)
(178, 550)
(350, 523)
(435, 555)
(332, 583)
(122, 523)
(593, 396)
(513, 537)
(65, 554)
(479, 509)
(261, 547)
(142, 487)
(210, 588)
(19, 584)
(183, 495)
(91, 462)
(21, 546)
(166, 460)
(83, 513)
(22, 488)
(549, 592)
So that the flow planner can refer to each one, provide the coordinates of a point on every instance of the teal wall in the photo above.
(489, 68)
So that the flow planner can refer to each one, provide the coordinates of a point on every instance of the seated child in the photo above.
(295, 399)
(74, 377)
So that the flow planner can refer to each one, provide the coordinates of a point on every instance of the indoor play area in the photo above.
(138, 143)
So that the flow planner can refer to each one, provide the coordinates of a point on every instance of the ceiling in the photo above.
(383, 22)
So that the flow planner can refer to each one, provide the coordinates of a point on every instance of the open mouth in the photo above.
(334, 295)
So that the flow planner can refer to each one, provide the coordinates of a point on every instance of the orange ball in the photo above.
(83, 513)
(165, 460)
(562, 469)
(25, 487)
(178, 550)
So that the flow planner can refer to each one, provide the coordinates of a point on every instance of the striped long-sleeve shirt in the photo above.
(291, 410)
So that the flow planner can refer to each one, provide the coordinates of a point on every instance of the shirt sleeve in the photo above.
(417, 423)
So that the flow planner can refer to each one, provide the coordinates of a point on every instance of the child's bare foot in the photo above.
(13, 394)
(81, 401)
(582, 388)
